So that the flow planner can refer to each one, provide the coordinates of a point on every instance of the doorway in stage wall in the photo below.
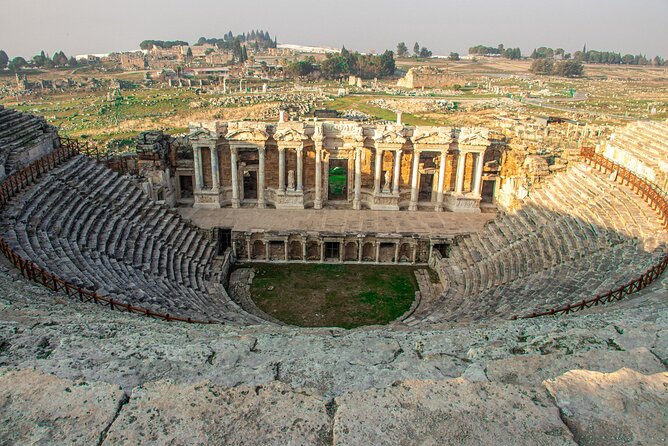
(186, 186)
(426, 186)
(338, 179)
(250, 185)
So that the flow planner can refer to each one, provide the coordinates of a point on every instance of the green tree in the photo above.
(4, 60)
(402, 50)
(568, 68)
(387, 64)
(416, 49)
(39, 59)
(425, 53)
(453, 56)
(17, 63)
(542, 66)
(73, 62)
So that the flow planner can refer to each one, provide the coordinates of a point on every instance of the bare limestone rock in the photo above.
(620, 408)
(166, 413)
(451, 412)
(43, 409)
(533, 369)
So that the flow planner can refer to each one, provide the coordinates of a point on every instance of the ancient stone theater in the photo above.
(545, 287)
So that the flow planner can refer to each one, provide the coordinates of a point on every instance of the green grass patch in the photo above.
(330, 295)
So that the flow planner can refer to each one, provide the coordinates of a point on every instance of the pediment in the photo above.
(288, 135)
(474, 137)
(202, 135)
(247, 135)
(439, 137)
(390, 137)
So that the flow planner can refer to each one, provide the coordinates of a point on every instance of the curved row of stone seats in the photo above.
(97, 230)
(578, 236)
(646, 140)
(20, 132)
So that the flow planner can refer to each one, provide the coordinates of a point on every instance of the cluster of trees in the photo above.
(346, 63)
(149, 44)
(593, 56)
(41, 60)
(258, 39)
(566, 68)
(508, 53)
(418, 51)
(609, 57)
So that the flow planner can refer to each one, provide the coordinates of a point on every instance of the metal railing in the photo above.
(20, 180)
(656, 198)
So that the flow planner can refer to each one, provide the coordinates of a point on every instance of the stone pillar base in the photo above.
(357, 205)
(291, 199)
(385, 202)
(317, 204)
(236, 203)
(464, 203)
(207, 199)
(413, 207)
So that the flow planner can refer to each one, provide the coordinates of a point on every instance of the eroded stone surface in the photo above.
(203, 413)
(620, 408)
(43, 409)
(453, 412)
(533, 369)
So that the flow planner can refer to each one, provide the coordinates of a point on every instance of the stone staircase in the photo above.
(20, 132)
(578, 236)
(86, 224)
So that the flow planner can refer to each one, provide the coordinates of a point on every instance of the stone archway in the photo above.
(405, 253)
(258, 251)
(295, 251)
(312, 250)
(369, 252)
(351, 252)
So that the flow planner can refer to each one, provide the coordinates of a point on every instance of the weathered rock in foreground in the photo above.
(620, 408)
(166, 413)
(453, 412)
(43, 409)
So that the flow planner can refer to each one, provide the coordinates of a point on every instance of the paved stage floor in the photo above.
(338, 220)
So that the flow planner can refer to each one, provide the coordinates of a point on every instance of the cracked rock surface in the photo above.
(135, 380)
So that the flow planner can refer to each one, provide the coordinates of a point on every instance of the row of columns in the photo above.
(357, 199)
(281, 168)
(321, 248)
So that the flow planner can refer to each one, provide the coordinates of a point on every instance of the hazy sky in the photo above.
(100, 26)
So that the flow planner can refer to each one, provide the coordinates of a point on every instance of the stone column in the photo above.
(197, 161)
(441, 181)
(304, 249)
(477, 176)
(281, 169)
(300, 168)
(235, 180)
(215, 171)
(267, 244)
(342, 249)
(396, 252)
(461, 163)
(377, 171)
(397, 172)
(413, 206)
(285, 249)
(360, 248)
(357, 201)
(317, 203)
(377, 252)
(248, 248)
(260, 179)
(414, 253)
(322, 251)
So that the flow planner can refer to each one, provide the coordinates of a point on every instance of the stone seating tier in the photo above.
(577, 236)
(98, 230)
